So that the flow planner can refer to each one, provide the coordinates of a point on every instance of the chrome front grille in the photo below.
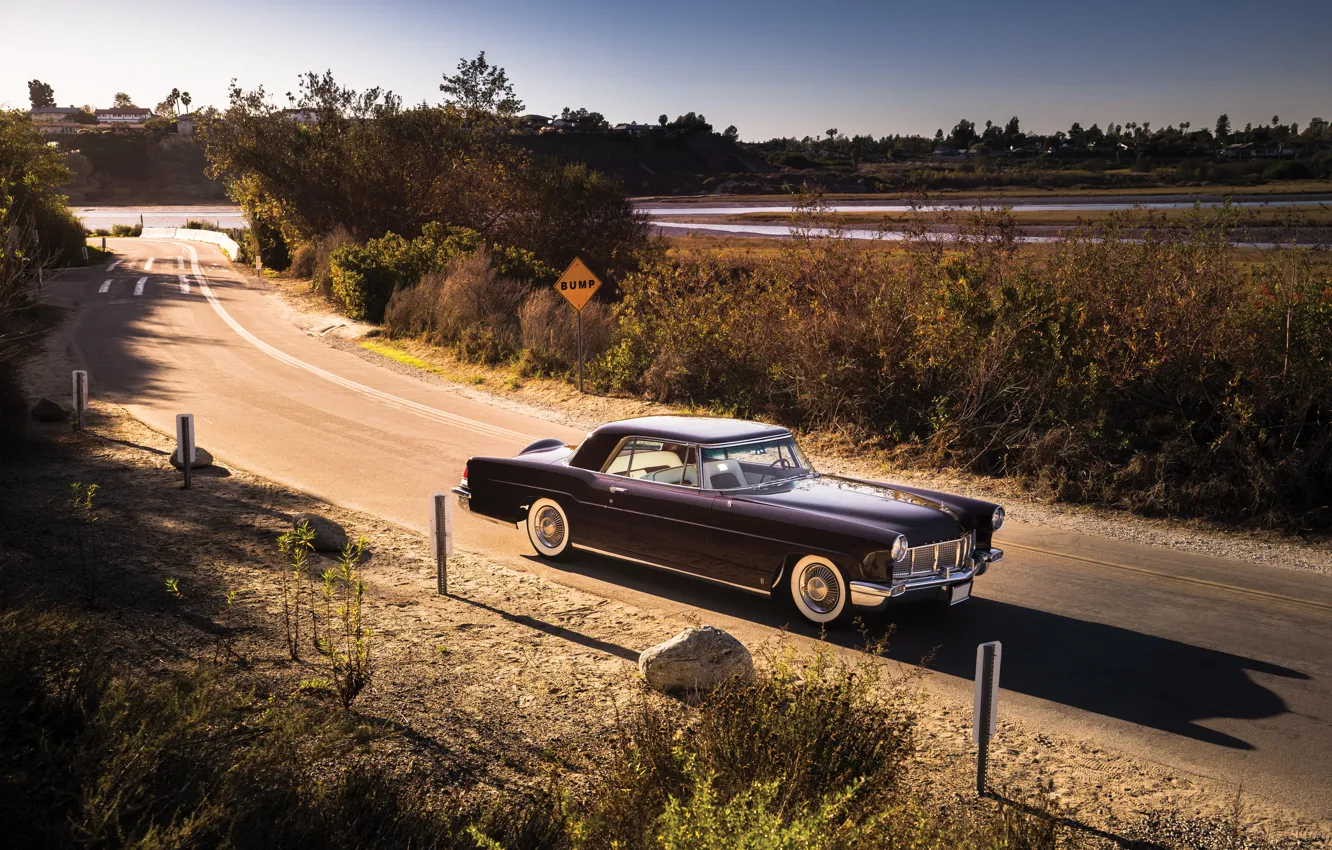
(935, 558)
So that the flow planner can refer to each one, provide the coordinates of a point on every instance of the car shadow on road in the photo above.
(1140, 678)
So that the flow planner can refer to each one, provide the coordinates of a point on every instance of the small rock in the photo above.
(201, 458)
(697, 659)
(46, 410)
(328, 535)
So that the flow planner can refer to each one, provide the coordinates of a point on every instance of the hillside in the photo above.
(138, 168)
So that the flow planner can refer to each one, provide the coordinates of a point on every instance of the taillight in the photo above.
(464, 481)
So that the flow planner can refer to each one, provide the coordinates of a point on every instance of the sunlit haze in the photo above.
(770, 68)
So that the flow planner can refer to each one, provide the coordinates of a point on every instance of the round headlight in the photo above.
(900, 548)
(997, 520)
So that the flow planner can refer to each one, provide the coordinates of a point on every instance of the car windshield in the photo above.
(753, 464)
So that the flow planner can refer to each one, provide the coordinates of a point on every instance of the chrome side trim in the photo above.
(656, 566)
(870, 593)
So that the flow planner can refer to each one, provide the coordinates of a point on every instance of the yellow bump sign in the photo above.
(577, 284)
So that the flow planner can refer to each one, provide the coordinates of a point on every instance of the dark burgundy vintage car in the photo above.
(736, 502)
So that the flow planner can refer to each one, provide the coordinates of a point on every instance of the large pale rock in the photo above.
(697, 659)
(328, 535)
(202, 458)
(46, 410)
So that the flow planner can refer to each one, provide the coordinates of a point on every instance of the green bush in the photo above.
(126, 230)
(1288, 170)
(365, 277)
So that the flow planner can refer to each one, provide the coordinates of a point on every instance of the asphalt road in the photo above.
(1217, 667)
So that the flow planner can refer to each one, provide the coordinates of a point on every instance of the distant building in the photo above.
(633, 128)
(1237, 151)
(185, 125)
(123, 115)
(58, 128)
(53, 114)
(947, 153)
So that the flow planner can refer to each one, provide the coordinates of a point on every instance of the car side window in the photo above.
(654, 460)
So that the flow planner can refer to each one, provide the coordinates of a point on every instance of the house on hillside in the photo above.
(948, 154)
(533, 123)
(185, 125)
(123, 115)
(53, 114)
(1237, 151)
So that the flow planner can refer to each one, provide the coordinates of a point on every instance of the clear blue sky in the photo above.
(771, 68)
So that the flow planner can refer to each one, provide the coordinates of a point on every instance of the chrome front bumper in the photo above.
(868, 594)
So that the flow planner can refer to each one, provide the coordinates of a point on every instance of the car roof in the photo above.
(705, 430)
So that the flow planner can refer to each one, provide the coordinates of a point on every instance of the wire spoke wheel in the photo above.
(818, 590)
(548, 529)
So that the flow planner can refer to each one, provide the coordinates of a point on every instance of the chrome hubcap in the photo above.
(818, 588)
(549, 527)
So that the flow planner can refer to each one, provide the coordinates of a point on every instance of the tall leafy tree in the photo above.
(122, 100)
(41, 94)
(480, 87)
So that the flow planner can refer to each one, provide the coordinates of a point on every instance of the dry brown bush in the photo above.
(320, 273)
(550, 332)
(467, 307)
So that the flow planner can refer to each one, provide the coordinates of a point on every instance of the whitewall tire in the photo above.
(548, 529)
(819, 590)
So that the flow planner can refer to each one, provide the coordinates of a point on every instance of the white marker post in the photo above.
(984, 718)
(85, 255)
(441, 537)
(185, 444)
(80, 397)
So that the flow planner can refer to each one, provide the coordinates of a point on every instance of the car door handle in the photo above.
(614, 489)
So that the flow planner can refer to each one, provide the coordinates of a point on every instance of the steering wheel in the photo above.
(781, 463)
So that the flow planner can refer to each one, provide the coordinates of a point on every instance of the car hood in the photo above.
(921, 519)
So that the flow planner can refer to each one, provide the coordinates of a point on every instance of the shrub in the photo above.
(1288, 170)
(127, 230)
(198, 224)
(550, 336)
(1133, 363)
(322, 275)
(364, 278)
(468, 306)
(303, 261)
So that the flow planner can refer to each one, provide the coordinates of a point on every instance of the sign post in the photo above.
(441, 538)
(185, 444)
(80, 397)
(578, 285)
(984, 716)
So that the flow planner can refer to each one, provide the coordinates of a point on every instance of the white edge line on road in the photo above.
(148, 266)
(370, 392)
(105, 287)
(113, 265)
(138, 287)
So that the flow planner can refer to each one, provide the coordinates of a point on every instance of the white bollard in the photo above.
(984, 716)
(185, 444)
(80, 397)
(441, 538)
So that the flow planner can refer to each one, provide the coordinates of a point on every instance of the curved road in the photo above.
(1216, 667)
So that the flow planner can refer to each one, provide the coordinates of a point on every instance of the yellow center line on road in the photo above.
(1200, 582)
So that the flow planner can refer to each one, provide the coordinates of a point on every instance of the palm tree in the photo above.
(185, 99)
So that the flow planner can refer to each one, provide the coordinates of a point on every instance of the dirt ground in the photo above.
(508, 681)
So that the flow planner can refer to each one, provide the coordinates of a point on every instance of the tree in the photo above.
(185, 100)
(1011, 129)
(964, 133)
(585, 121)
(663, 120)
(167, 108)
(122, 101)
(481, 88)
(831, 133)
(1222, 127)
(41, 94)
(731, 133)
